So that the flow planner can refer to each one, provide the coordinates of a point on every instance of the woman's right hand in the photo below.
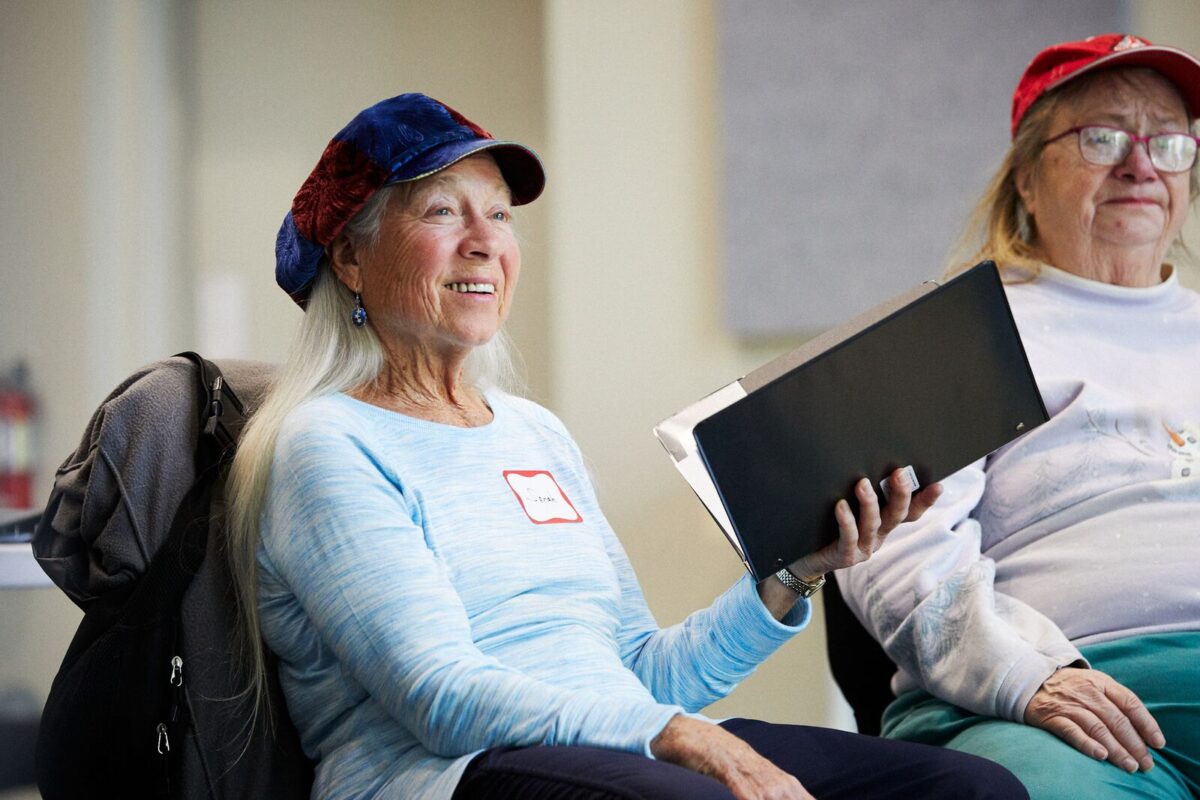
(1097, 716)
(713, 751)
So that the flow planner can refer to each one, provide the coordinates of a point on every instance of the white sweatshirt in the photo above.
(1085, 529)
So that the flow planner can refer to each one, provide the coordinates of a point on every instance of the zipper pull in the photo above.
(176, 671)
(215, 408)
(164, 744)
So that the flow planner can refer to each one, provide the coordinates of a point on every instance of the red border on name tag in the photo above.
(531, 473)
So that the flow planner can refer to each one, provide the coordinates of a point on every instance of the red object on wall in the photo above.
(18, 415)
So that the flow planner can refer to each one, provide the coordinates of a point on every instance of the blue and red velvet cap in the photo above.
(405, 138)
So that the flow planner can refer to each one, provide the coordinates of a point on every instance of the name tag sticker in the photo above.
(542, 499)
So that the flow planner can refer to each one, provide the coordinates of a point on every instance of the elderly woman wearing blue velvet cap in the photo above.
(424, 552)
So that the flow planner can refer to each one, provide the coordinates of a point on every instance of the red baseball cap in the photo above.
(1063, 62)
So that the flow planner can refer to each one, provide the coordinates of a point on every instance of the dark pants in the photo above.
(829, 763)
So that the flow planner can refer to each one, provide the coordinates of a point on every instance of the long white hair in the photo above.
(329, 355)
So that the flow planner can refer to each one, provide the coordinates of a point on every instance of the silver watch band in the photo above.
(799, 585)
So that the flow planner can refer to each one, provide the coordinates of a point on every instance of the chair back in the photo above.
(860, 667)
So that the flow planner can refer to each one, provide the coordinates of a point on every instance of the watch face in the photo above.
(812, 588)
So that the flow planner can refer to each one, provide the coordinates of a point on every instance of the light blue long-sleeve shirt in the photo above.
(433, 591)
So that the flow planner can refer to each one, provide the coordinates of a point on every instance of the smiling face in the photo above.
(1109, 223)
(439, 280)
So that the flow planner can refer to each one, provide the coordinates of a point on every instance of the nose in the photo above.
(480, 238)
(1137, 165)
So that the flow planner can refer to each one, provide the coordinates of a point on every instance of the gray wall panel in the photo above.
(856, 135)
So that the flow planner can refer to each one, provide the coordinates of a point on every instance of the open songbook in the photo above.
(934, 379)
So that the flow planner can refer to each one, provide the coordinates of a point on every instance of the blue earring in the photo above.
(359, 315)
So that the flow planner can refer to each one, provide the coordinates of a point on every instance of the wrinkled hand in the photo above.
(858, 539)
(1097, 716)
(713, 751)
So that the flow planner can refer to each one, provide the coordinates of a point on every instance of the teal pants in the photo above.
(1162, 669)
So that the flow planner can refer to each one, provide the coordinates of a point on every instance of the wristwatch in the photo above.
(799, 585)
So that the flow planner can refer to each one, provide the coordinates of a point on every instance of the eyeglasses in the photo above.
(1104, 146)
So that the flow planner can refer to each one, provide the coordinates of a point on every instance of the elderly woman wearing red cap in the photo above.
(1046, 612)
(425, 554)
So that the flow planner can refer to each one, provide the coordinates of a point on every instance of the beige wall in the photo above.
(53, 292)
(617, 314)
(635, 237)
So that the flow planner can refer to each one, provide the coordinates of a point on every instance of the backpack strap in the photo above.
(177, 561)
(224, 414)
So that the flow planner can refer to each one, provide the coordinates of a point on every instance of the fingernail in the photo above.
(1100, 753)
(1129, 765)
(843, 506)
(1158, 741)
(901, 480)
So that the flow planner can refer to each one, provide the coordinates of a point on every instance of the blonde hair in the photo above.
(329, 355)
(999, 228)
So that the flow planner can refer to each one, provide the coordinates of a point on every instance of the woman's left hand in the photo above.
(857, 538)
(1097, 716)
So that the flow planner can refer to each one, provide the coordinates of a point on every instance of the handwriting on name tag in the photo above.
(540, 496)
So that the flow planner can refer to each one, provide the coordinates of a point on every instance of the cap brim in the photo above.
(1177, 66)
(520, 166)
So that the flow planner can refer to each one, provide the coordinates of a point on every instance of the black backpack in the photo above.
(148, 700)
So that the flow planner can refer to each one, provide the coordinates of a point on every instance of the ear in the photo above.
(343, 258)
(1025, 176)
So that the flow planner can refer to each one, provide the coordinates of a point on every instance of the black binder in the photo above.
(936, 379)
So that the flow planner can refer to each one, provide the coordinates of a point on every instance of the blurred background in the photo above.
(150, 150)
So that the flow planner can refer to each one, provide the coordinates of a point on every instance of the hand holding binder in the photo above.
(857, 539)
(936, 379)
